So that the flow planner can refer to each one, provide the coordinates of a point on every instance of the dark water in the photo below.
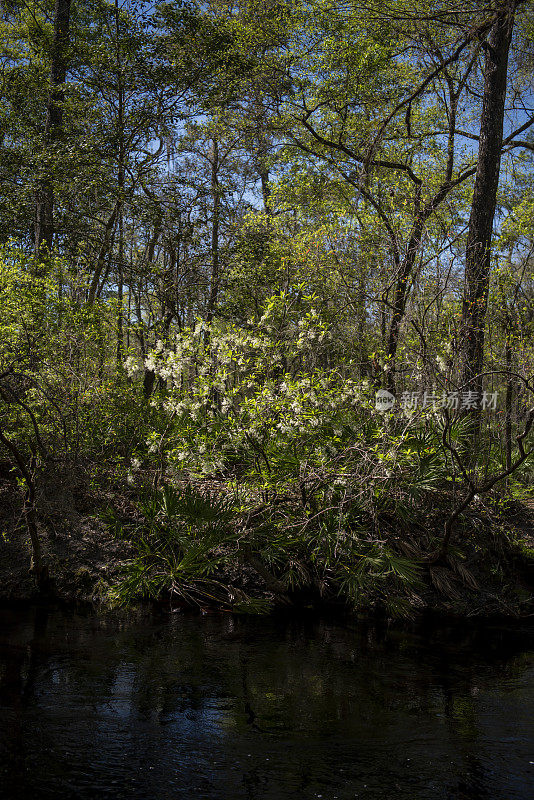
(144, 706)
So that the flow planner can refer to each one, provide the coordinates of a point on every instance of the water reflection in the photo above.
(143, 706)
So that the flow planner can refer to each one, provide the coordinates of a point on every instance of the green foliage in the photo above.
(262, 212)
(181, 540)
(60, 386)
(187, 543)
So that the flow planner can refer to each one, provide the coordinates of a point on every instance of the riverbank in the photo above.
(489, 570)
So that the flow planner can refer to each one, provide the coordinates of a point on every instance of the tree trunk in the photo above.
(38, 569)
(120, 294)
(103, 253)
(121, 172)
(149, 377)
(508, 402)
(404, 274)
(216, 198)
(44, 207)
(477, 260)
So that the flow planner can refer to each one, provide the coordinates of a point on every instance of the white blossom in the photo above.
(131, 365)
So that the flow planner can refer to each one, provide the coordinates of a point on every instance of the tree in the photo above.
(478, 247)
(44, 208)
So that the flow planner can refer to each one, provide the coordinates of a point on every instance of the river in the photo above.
(143, 704)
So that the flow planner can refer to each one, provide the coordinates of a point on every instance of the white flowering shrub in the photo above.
(307, 462)
(259, 406)
(258, 399)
